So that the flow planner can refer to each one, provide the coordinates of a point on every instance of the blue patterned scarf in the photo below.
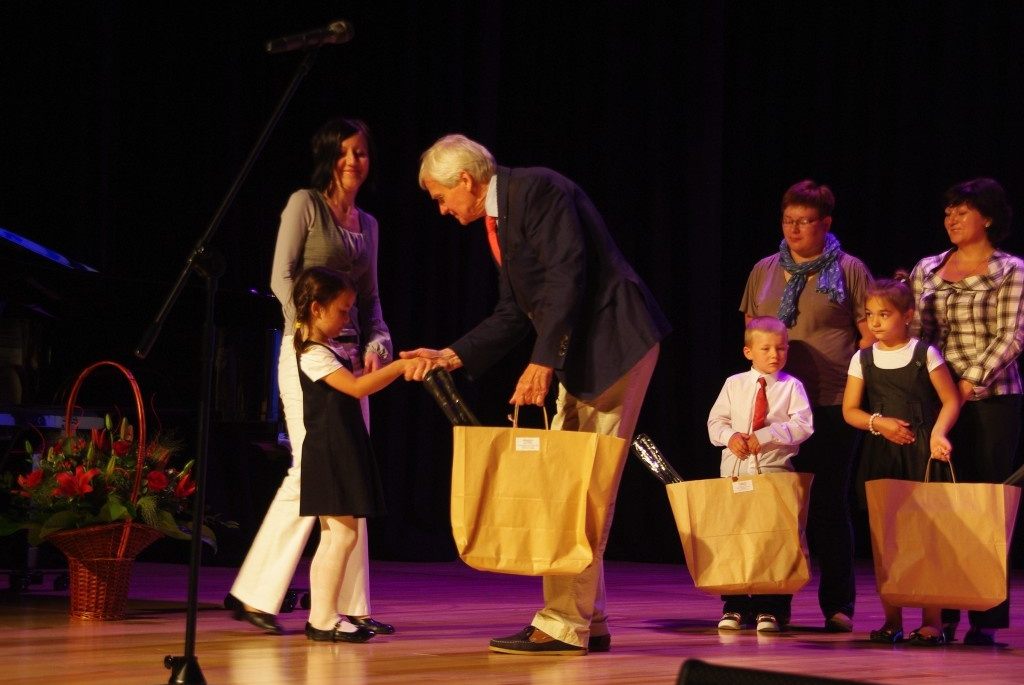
(830, 278)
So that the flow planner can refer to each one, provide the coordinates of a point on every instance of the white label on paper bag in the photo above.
(527, 444)
(742, 486)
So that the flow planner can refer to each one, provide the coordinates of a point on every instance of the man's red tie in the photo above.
(760, 406)
(492, 237)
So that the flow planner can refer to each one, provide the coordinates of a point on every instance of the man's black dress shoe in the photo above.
(371, 624)
(336, 635)
(531, 641)
(599, 643)
(267, 622)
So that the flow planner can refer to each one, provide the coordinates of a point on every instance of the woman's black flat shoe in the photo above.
(887, 636)
(976, 638)
(266, 622)
(335, 635)
(371, 624)
(916, 638)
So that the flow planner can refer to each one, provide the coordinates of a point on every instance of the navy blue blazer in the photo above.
(562, 276)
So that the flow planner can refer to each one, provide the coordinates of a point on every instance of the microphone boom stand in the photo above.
(185, 669)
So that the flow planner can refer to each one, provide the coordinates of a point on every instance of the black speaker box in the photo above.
(696, 672)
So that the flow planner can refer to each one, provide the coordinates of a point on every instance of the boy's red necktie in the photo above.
(760, 405)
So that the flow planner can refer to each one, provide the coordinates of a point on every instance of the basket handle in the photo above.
(139, 408)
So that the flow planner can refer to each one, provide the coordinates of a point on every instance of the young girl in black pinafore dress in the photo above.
(913, 405)
(340, 482)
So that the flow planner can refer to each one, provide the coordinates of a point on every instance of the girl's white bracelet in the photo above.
(871, 423)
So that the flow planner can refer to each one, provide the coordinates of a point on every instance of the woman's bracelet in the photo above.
(871, 423)
(378, 349)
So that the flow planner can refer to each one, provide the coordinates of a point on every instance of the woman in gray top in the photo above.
(320, 226)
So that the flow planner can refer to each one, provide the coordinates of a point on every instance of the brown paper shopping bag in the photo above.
(530, 501)
(941, 544)
(744, 535)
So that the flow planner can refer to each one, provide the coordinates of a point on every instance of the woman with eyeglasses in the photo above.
(818, 291)
(970, 304)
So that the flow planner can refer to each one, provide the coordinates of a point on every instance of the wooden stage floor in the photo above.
(444, 614)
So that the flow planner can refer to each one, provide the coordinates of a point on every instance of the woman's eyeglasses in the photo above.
(802, 223)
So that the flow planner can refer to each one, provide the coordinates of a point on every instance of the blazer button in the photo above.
(563, 347)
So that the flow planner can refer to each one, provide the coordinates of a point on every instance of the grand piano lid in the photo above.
(36, 281)
(43, 251)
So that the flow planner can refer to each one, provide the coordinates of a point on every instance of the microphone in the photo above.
(439, 384)
(645, 449)
(335, 33)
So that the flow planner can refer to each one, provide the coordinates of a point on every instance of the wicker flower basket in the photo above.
(100, 562)
(100, 557)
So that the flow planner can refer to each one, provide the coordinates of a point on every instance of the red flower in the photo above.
(100, 439)
(30, 481)
(73, 485)
(159, 454)
(185, 487)
(156, 481)
(121, 447)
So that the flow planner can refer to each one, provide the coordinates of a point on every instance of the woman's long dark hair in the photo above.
(327, 149)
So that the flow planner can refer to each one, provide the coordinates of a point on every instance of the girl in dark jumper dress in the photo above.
(340, 481)
(913, 405)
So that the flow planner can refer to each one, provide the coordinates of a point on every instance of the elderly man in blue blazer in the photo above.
(597, 326)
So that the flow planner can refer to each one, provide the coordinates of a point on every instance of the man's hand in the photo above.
(533, 385)
(445, 358)
(416, 368)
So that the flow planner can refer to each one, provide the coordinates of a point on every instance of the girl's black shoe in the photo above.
(336, 635)
(371, 624)
(921, 640)
(889, 636)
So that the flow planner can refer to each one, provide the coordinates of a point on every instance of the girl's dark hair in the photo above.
(895, 290)
(315, 284)
(989, 198)
(327, 149)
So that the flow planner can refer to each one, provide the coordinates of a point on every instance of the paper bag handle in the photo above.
(515, 417)
(928, 469)
(736, 466)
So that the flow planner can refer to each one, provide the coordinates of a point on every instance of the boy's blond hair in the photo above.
(764, 324)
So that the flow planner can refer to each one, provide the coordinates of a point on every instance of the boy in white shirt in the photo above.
(741, 423)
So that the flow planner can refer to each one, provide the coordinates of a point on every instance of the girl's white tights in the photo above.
(338, 538)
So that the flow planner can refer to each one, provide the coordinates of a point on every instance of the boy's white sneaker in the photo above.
(730, 621)
(766, 623)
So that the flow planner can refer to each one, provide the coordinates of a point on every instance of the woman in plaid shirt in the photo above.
(970, 304)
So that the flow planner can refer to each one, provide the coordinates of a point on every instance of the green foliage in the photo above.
(79, 482)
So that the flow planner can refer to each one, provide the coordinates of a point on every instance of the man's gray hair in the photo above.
(452, 154)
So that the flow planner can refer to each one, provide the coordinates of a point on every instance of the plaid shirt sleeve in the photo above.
(1004, 329)
(923, 285)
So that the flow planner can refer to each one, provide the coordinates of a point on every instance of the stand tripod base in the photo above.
(184, 670)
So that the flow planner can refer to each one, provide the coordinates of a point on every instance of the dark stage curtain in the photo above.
(124, 124)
